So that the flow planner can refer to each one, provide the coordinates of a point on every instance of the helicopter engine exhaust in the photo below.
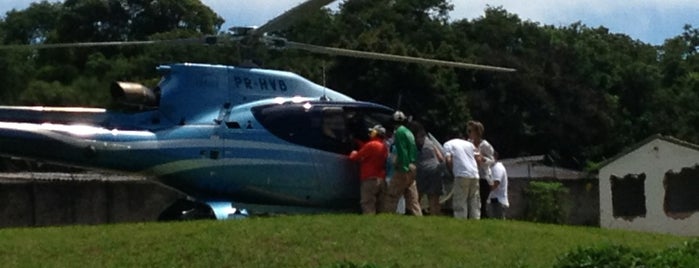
(133, 94)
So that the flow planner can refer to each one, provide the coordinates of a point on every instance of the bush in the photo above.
(607, 256)
(349, 264)
(546, 202)
(685, 256)
(621, 256)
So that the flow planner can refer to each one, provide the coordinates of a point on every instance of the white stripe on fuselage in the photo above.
(192, 164)
(55, 109)
(47, 131)
(84, 133)
(68, 133)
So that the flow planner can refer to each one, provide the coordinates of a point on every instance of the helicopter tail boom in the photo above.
(74, 136)
(42, 114)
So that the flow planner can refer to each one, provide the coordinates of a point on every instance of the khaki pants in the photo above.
(435, 206)
(403, 184)
(467, 200)
(371, 192)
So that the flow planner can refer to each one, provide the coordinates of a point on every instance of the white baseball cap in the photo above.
(379, 130)
(399, 116)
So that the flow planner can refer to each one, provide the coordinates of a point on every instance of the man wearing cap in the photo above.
(372, 169)
(403, 181)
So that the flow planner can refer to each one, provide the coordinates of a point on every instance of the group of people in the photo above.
(473, 161)
(410, 165)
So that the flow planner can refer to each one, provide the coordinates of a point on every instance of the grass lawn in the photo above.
(312, 241)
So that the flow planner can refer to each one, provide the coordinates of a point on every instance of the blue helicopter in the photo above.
(229, 137)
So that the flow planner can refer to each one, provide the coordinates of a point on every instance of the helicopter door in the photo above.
(338, 175)
(353, 124)
(272, 147)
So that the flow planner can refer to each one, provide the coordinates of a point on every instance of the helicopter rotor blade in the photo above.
(204, 40)
(388, 57)
(287, 18)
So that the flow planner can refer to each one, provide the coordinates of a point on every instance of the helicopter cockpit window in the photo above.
(334, 123)
(355, 125)
(366, 119)
(330, 128)
(302, 126)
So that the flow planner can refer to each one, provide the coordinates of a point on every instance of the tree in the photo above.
(33, 25)
(578, 95)
(675, 112)
(82, 70)
(407, 27)
(122, 20)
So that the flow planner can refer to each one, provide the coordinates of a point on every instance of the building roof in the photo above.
(525, 159)
(533, 167)
(630, 149)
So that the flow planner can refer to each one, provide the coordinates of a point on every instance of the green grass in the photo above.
(312, 241)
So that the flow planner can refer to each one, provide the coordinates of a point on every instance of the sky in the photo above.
(650, 21)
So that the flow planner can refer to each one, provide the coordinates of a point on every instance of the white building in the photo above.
(653, 186)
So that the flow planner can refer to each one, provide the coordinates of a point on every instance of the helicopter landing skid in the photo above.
(190, 209)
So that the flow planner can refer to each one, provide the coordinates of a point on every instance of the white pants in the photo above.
(467, 200)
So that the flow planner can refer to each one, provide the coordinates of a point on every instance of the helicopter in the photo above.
(229, 137)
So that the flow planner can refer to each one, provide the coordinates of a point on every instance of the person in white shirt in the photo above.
(461, 161)
(483, 148)
(484, 158)
(497, 200)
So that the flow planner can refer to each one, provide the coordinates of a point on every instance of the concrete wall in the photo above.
(582, 199)
(59, 202)
(49, 203)
(651, 161)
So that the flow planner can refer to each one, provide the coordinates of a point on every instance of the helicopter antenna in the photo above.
(400, 98)
(324, 97)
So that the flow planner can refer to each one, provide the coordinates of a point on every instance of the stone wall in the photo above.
(65, 202)
(582, 200)
(30, 202)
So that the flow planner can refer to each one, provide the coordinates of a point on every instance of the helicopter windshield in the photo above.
(331, 127)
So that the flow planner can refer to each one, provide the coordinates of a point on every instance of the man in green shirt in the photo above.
(403, 181)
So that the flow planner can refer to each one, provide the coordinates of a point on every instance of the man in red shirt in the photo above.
(372, 169)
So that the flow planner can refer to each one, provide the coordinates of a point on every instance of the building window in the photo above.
(628, 196)
(681, 193)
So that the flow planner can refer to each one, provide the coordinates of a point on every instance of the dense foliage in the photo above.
(546, 202)
(620, 256)
(580, 94)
